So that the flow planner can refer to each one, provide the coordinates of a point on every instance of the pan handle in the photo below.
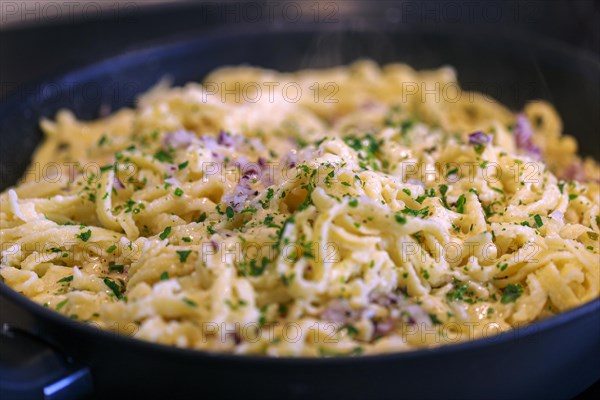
(32, 369)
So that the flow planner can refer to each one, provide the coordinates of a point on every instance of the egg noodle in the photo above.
(342, 211)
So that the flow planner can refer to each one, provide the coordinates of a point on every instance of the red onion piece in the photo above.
(524, 135)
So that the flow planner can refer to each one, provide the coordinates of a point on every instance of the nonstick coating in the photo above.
(556, 358)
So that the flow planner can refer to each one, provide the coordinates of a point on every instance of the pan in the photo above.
(46, 355)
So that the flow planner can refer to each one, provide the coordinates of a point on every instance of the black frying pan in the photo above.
(555, 358)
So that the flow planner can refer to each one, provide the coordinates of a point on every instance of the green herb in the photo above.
(163, 156)
(61, 304)
(183, 255)
(240, 303)
(65, 279)
(257, 270)
(165, 233)
(353, 203)
(460, 291)
(84, 236)
(178, 192)
(443, 189)
(511, 293)
(118, 268)
(351, 329)
(186, 239)
(460, 204)
(189, 302)
(479, 148)
(407, 191)
(229, 212)
(201, 217)
(111, 249)
(287, 280)
(331, 353)
(538, 220)
(425, 273)
(164, 276)
(183, 165)
(434, 319)
(116, 289)
(453, 171)
(102, 140)
(400, 218)
(423, 211)
(420, 199)
(572, 196)
(249, 210)
(320, 141)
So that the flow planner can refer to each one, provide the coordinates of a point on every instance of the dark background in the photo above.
(28, 54)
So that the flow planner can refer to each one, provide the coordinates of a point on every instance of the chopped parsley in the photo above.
(183, 255)
(116, 289)
(255, 269)
(165, 233)
(453, 171)
(538, 220)
(85, 236)
(511, 293)
(443, 189)
(331, 353)
(268, 197)
(400, 218)
(288, 279)
(118, 268)
(460, 204)
(460, 292)
(61, 304)
(163, 156)
(422, 212)
(350, 329)
(189, 302)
